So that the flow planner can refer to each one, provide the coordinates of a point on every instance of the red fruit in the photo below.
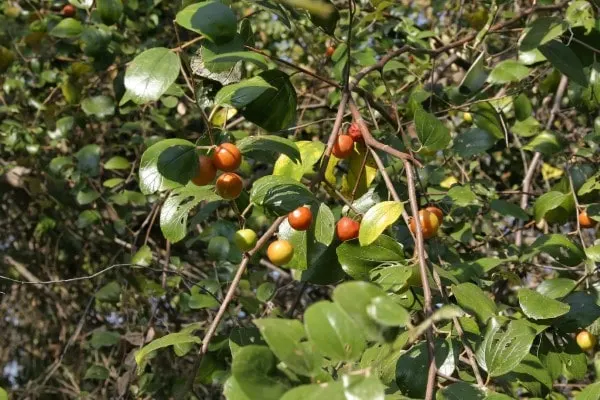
(585, 221)
(343, 146)
(229, 186)
(330, 50)
(300, 219)
(438, 213)
(227, 157)
(429, 224)
(355, 133)
(347, 229)
(68, 11)
(206, 172)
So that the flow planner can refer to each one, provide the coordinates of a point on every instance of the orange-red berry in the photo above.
(227, 157)
(347, 229)
(300, 219)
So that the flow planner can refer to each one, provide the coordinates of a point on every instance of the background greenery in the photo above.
(113, 266)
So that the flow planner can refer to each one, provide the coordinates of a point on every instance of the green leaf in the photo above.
(104, 339)
(175, 210)
(310, 154)
(88, 218)
(486, 117)
(363, 386)
(502, 350)
(88, 159)
(100, 106)
(333, 333)
(150, 74)
(151, 180)
(522, 106)
(265, 291)
(109, 293)
(387, 312)
(412, 367)
(560, 248)
(143, 256)
(252, 368)
(110, 10)
(96, 372)
(589, 186)
(68, 28)
(432, 133)
(584, 311)
(321, 391)
(470, 297)
(473, 142)
(358, 260)
(325, 16)
(548, 202)
(462, 196)
(461, 391)
(4, 395)
(538, 306)
(527, 127)
(556, 288)
(283, 199)
(446, 312)
(117, 162)
(505, 208)
(581, 13)
(593, 253)
(112, 182)
(541, 31)
(268, 147)
(546, 143)
(590, 392)
(354, 298)
(312, 244)
(475, 77)
(508, 71)
(532, 375)
(184, 337)
(232, 390)
(268, 100)
(212, 19)
(377, 219)
(565, 60)
(285, 339)
(391, 278)
(178, 163)
(236, 56)
(87, 196)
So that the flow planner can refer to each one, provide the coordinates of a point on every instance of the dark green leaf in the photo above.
(213, 19)
(104, 339)
(357, 261)
(268, 147)
(96, 372)
(565, 60)
(473, 142)
(67, 28)
(432, 133)
(538, 306)
(151, 180)
(509, 209)
(542, 31)
(470, 297)
(178, 163)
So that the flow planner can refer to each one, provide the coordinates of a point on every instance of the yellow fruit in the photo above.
(586, 340)
(245, 239)
(280, 252)
(467, 117)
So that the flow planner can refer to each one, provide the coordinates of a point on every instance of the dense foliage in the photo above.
(150, 153)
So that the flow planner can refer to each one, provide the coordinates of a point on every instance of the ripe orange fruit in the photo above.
(330, 50)
(438, 213)
(585, 221)
(347, 229)
(429, 224)
(68, 11)
(586, 340)
(280, 252)
(355, 133)
(227, 157)
(229, 186)
(343, 146)
(300, 219)
(206, 172)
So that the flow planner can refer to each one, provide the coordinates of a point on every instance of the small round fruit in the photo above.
(429, 224)
(347, 229)
(467, 117)
(280, 252)
(227, 157)
(300, 219)
(355, 133)
(245, 239)
(343, 146)
(586, 340)
(585, 221)
(438, 213)
(330, 50)
(68, 11)
(206, 172)
(229, 186)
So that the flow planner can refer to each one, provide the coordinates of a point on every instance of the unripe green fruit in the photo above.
(467, 117)
(245, 239)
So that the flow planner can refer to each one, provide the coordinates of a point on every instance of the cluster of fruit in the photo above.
(227, 158)
(344, 144)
